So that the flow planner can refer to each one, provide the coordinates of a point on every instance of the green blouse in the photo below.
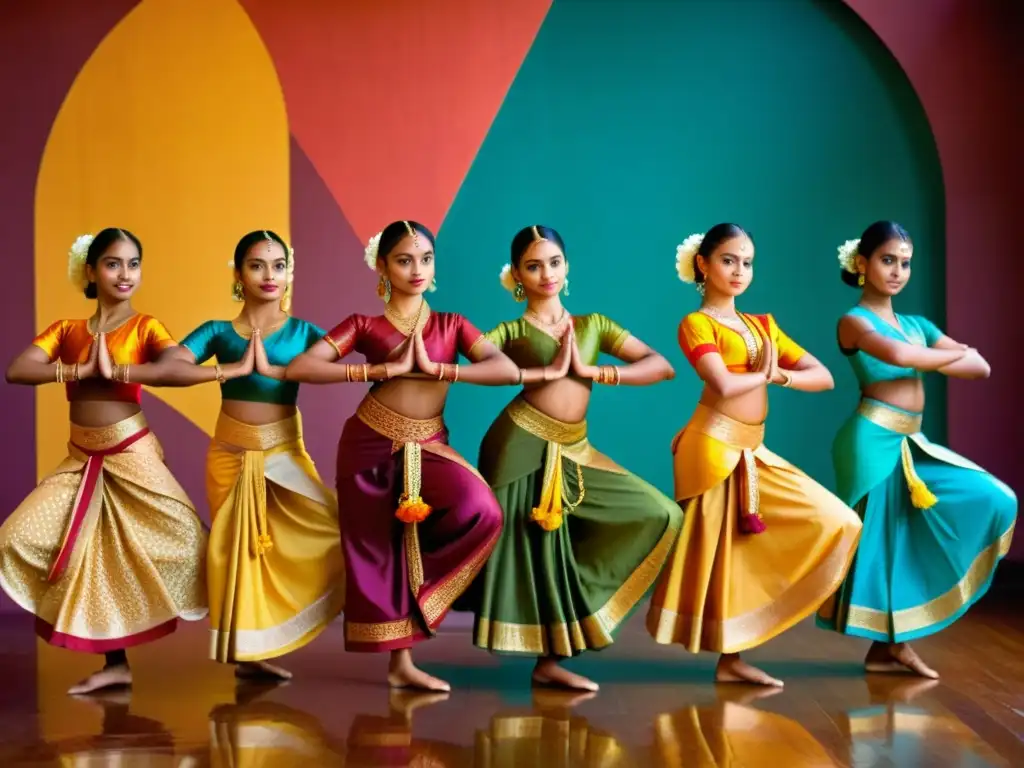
(530, 347)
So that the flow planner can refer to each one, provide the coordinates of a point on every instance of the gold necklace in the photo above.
(407, 325)
(742, 329)
(93, 327)
(552, 329)
(244, 329)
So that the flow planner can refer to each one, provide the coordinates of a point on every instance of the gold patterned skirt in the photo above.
(276, 572)
(727, 587)
(107, 552)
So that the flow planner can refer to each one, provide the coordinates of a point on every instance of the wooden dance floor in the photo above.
(657, 706)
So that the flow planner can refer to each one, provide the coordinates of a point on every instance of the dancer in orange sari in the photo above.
(417, 520)
(107, 551)
(763, 545)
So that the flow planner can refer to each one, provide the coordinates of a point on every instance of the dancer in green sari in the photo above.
(584, 540)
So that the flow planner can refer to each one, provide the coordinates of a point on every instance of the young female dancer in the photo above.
(107, 551)
(935, 524)
(583, 539)
(418, 521)
(275, 569)
(763, 545)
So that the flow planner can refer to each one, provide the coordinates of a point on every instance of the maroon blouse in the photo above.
(445, 335)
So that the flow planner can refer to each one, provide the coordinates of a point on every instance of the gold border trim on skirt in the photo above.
(258, 437)
(536, 422)
(401, 429)
(718, 426)
(886, 417)
(104, 438)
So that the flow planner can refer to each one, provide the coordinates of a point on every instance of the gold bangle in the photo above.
(453, 373)
(366, 372)
(787, 378)
(618, 375)
(348, 373)
(127, 372)
(218, 373)
(520, 381)
(387, 375)
(58, 372)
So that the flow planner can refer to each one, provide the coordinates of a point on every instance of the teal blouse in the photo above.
(913, 329)
(218, 338)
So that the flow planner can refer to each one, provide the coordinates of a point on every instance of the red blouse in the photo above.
(446, 335)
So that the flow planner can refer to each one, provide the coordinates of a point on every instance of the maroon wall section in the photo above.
(964, 59)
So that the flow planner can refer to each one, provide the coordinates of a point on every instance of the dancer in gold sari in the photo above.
(107, 551)
(762, 545)
(276, 574)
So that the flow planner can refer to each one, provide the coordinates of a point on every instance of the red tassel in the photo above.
(752, 524)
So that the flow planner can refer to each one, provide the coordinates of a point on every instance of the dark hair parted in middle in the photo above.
(713, 238)
(528, 236)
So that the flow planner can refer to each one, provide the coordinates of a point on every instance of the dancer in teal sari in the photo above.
(935, 524)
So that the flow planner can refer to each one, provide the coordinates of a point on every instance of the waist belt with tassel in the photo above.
(905, 424)
(406, 435)
(746, 438)
(563, 440)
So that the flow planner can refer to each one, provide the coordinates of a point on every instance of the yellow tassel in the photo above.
(920, 495)
(548, 514)
(264, 544)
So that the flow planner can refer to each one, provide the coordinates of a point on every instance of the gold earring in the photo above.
(860, 280)
(519, 293)
(237, 291)
(565, 287)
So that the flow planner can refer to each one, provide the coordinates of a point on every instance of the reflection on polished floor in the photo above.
(657, 707)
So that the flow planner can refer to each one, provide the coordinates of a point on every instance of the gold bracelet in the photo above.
(218, 373)
(58, 368)
(127, 372)
(348, 373)
(787, 378)
(520, 381)
(387, 375)
(366, 372)
(453, 372)
(618, 376)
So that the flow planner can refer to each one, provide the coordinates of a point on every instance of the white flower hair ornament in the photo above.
(370, 254)
(848, 255)
(76, 261)
(686, 257)
(507, 281)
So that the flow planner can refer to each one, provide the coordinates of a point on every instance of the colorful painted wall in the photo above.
(626, 125)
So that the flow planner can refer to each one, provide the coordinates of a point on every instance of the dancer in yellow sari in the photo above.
(107, 551)
(276, 573)
(763, 545)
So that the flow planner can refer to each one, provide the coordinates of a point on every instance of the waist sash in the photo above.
(746, 438)
(408, 435)
(905, 424)
(92, 445)
(562, 438)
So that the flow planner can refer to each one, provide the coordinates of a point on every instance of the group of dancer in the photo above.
(550, 543)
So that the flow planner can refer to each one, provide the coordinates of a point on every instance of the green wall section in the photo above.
(633, 123)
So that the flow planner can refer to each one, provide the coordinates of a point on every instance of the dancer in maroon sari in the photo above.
(417, 520)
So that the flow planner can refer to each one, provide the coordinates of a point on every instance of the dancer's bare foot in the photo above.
(108, 677)
(549, 672)
(260, 670)
(898, 658)
(732, 669)
(402, 673)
